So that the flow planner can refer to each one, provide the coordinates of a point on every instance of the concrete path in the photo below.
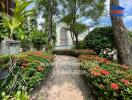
(63, 83)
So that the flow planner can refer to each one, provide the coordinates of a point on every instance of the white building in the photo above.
(63, 36)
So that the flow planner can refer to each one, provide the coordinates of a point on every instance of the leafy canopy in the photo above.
(20, 14)
(74, 10)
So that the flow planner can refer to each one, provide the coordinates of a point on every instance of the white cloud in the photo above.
(128, 18)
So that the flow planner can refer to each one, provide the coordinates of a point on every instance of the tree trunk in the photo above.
(49, 21)
(72, 36)
(76, 42)
(121, 37)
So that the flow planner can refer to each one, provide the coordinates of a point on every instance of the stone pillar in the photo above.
(10, 47)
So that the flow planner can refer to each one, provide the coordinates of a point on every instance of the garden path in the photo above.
(62, 83)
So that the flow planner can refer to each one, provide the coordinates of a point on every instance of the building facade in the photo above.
(63, 36)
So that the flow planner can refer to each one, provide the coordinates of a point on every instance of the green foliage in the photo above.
(74, 10)
(74, 53)
(4, 59)
(25, 44)
(38, 39)
(79, 27)
(18, 96)
(108, 81)
(2, 30)
(79, 46)
(46, 5)
(49, 9)
(31, 68)
(36, 71)
(46, 30)
(130, 34)
(20, 14)
(22, 35)
(99, 38)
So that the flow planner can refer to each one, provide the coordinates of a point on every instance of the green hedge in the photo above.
(72, 52)
(99, 38)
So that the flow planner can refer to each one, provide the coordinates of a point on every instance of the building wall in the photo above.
(12, 49)
(69, 39)
(59, 45)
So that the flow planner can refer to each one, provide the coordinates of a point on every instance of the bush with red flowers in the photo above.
(32, 67)
(109, 81)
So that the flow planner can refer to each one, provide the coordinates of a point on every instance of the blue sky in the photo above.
(127, 4)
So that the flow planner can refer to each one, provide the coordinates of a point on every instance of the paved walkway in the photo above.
(63, 83)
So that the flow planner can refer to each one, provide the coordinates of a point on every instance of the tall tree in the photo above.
(49, 10)
(77, 9)
(121, 36)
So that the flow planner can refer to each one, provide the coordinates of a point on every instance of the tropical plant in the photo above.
(20, 14)
(73, 10)
(49, 9)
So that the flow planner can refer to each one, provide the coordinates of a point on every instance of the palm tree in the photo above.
(73, 10)
(20, 14)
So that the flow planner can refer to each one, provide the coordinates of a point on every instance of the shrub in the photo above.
(66, 52)
(99, 38)
(73, 52)
(108, 81)
(4, 59)
(31, 68)
(25, 44)
(18, 96)
(38, 39)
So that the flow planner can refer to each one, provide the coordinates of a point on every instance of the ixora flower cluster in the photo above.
(98, 71)
(108, 80)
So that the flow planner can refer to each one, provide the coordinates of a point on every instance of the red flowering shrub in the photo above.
(114, 86)
(104, 72)
(93, 58)
(30, 68)
(109, 80)
(126, 82)
(41, 54)
(37, 53)
(125, 67)
(95, 73)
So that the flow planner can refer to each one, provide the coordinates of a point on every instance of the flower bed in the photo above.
(109, 81)
(29, 70)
